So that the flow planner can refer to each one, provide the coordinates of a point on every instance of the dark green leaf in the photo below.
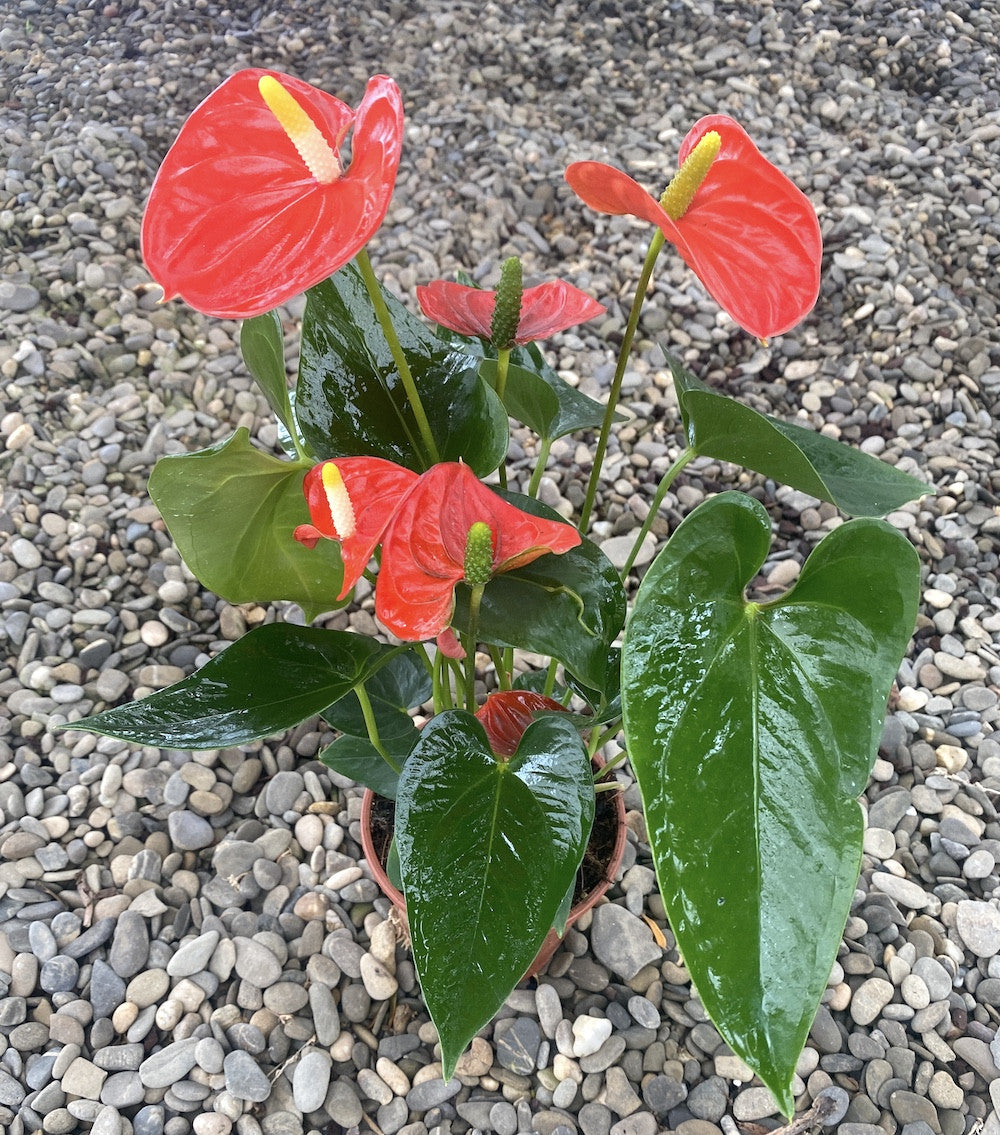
(358, 759)
(752, 729)
(856, 482)
(488, 850)
(231, 511)
(271, 679)
(545, 402)
(350, 397)
(263, 350)
(400, 685)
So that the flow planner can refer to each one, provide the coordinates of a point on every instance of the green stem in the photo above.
(503, 362)
(369, 715)
(544, 445)
(469, 642)
(599, 739)
(500, 665)
(402, 366)
(550, 678)
(654, 506)
(616, 383)
(442, 683)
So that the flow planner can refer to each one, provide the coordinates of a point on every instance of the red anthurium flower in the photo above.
(749, 234)
(436, 529)
(352, 500)
(252, 204)
(545, 309)
(505, 716)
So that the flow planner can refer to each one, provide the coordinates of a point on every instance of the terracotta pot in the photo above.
(552, 940)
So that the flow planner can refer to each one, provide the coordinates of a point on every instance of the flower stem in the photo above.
(503, 362)
(402, 366)
(370, 724)
(469, 642)
(654, 506)
(616, 383)
(500, 665)
(544, 445)
(550, 678)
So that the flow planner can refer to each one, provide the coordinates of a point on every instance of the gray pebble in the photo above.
(283, 789)
(517, 1043)
(431, 1093)
(245, 1080)
(549, 1008)
(18, 297)
(869, 999)
(503, 1119)
(59, 974)
(324, 1013)
(188, 831)
(661, 1094)
(978, 924)
(622, 941)
(640, 1123)
(91, 939)
(11, 1092)
(311, 1080)
(256, 963)
(130, 944)
(108, 1122)
(123, 1089)
(107, 989)
(163, 1068)
(708, 1100)
(644, 1012)
(42, 941)
(193, 956)
(343, 1105)
(149, 1120)
(903, 891)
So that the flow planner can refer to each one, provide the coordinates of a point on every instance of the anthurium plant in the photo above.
(750, 726)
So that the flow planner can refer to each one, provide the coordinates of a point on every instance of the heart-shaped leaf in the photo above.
(272, 678)
(488, 850)
(545, 402)
(351, 400)
(752, 728)
(359, 760)
(856, 482)
(402, 683)
(231, 511)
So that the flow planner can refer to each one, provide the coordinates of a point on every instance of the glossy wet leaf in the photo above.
(272, 678)
(752, 730)
(231, 511)
(569, 606)
(351, 401)
(856, 482)
(488, 850)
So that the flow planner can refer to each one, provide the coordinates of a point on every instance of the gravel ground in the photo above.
(189, 943)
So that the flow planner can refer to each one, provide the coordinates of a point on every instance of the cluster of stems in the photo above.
(454, 677)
